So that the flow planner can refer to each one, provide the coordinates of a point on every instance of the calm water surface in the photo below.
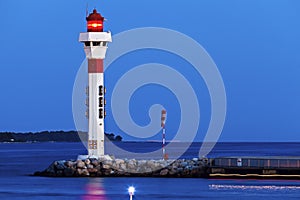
(17, 161)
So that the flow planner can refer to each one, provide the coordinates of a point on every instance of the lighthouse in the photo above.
(95, 42)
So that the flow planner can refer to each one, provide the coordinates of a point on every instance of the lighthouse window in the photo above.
(101, 113)
(101, 102)
(96, 43)
(104, 44)
(87, 44)
(101, 90)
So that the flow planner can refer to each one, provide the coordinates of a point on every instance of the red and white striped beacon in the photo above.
(95, 42)
(163, 125)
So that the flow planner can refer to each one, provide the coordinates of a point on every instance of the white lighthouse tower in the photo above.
(95, 42)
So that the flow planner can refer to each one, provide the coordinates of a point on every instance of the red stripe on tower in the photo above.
(95, 66)
(163, 118)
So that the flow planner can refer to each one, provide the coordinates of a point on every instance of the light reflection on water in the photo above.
(94, 190)
(252, 187)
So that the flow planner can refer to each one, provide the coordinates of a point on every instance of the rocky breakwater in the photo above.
(127, 168)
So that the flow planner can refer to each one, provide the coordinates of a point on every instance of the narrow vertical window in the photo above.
(101, 90)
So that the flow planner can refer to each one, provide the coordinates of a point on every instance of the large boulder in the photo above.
(80, 164)
(164, 172)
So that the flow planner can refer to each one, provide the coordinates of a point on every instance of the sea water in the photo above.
(19, 160)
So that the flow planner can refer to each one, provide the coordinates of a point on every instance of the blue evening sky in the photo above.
(254, 43)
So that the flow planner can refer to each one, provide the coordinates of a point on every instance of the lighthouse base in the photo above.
(182, 168)
(84, 157)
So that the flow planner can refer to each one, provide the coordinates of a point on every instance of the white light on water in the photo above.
(131, 190)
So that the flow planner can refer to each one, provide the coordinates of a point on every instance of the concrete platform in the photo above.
(255, 167)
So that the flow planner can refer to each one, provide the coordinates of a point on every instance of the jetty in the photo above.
(221, 167)
(255, 167)
(111, 167)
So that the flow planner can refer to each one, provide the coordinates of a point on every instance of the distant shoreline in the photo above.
(74, 136)
(50, 136)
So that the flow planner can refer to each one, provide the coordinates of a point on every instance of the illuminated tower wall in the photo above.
(95, 42)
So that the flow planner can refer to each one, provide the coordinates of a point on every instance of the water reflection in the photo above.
(94, 190)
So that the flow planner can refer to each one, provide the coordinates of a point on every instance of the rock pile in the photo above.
(126, 167)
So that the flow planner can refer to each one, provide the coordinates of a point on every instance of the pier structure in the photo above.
(221, 167)
(255, 167)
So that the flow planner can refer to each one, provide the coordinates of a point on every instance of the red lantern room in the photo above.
(95, 22)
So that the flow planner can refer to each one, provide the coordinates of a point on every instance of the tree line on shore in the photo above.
(53, 136)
